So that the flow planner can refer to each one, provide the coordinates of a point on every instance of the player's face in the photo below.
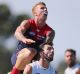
(41, 12)
(48, 52)
(70, 58)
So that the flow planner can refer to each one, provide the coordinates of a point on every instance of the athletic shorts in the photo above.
(20, 46)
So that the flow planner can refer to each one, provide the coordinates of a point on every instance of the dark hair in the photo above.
(71, 50)
(37, 56)
(43, 44)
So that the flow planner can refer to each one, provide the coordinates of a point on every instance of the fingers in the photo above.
(28, 41)
(33, 41)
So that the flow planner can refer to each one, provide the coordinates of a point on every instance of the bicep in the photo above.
(28, 70)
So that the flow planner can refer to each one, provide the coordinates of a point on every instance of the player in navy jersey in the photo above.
(30, 35)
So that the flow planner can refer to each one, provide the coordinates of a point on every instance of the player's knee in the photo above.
(32, 54)
(26, 54)
(23, 54)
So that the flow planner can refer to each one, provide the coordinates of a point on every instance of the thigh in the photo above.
(26, 53)
(24, 57)
(23, 51)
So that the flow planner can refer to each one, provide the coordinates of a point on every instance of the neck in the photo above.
(44, 63)
(40, 23)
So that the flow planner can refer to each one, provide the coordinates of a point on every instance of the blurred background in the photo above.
(63, 17)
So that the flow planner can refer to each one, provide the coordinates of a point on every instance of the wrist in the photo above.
(23, 40)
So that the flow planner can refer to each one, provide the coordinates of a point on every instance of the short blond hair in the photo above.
(39, 3)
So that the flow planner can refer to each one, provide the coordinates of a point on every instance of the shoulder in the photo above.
(33, 64)
(48, 27)
(25, 22)
(52, 31)
(31, 21)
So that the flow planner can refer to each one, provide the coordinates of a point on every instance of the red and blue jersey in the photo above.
(33, 32)
(39, 34)
(36, 33)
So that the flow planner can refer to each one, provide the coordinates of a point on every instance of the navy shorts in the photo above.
(20, 46)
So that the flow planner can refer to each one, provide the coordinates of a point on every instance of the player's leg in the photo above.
(24, 57)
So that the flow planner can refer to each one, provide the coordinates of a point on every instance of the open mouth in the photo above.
(45, 13)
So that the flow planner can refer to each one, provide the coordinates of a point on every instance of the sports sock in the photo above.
(15, 71)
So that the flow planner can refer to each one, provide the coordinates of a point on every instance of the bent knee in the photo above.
(26, 54)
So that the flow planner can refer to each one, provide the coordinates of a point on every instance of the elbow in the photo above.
(15, 34)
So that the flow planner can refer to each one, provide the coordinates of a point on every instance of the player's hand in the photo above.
(28, 41)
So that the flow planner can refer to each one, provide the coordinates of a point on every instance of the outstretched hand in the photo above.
(28, 41)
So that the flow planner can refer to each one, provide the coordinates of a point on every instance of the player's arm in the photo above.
(78, 71)
(19, 33)
(50, 37)
(21, 29)
(28, 69)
